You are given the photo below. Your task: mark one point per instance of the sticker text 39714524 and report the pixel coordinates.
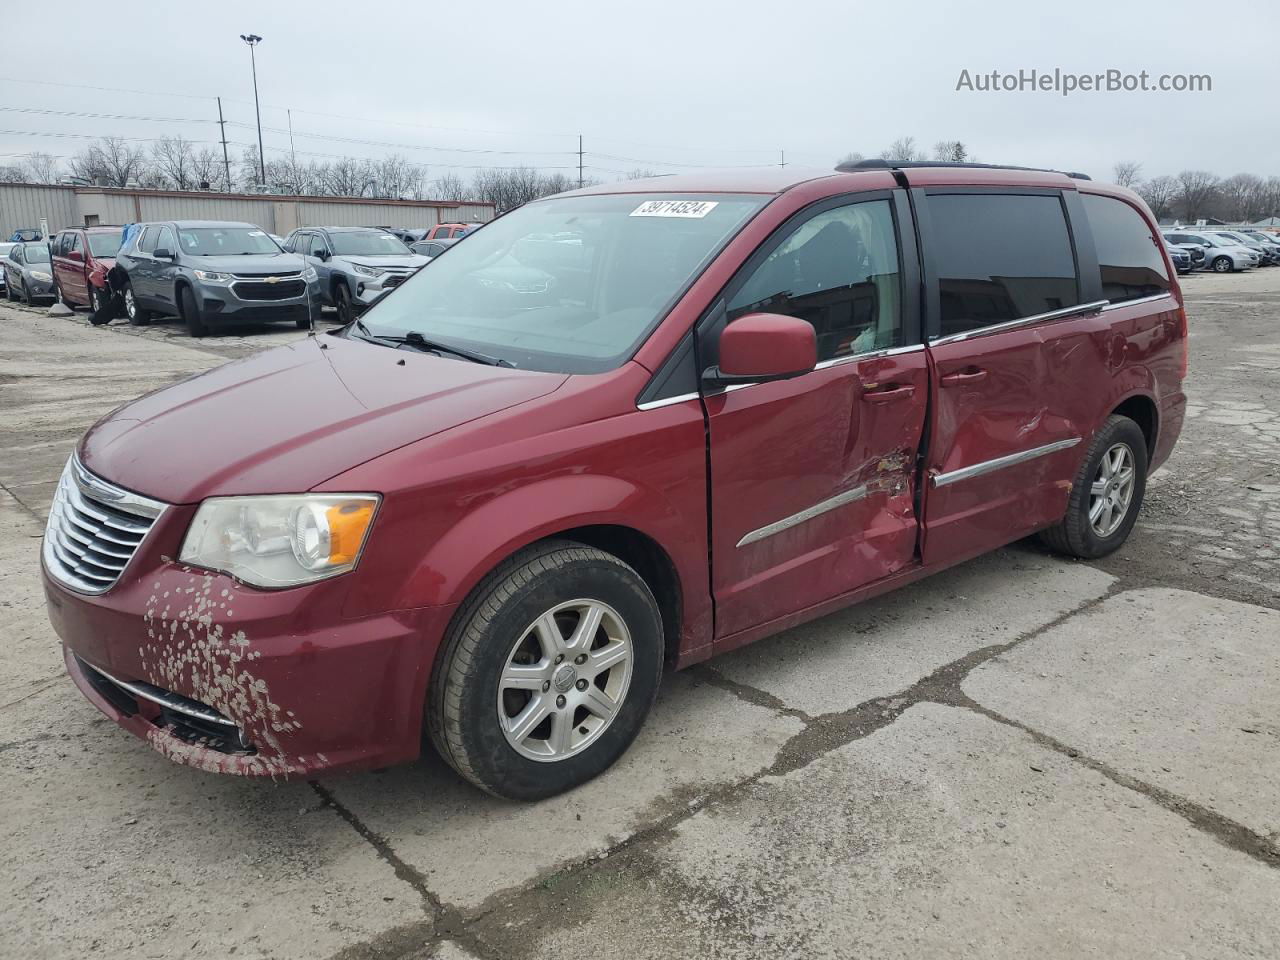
(693, 209)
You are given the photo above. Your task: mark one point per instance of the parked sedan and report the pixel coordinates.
(4, 255)
(28, 275)
(1223, 255)
(1181, 258)
(1264, 256)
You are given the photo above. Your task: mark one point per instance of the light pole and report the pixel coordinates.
(253, 40)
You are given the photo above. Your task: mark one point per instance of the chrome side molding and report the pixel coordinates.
(839, 500)
(999, 463)
(1097, 306)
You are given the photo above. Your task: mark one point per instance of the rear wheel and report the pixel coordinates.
(1106, 495)
(135, 314)
(191, 313)
(1222, 265)
(547, 673)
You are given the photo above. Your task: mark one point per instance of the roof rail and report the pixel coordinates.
(879, 164)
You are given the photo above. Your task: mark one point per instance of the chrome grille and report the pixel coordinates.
(94, 529)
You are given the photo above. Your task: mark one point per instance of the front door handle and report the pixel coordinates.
(962, 377)
(886, 393)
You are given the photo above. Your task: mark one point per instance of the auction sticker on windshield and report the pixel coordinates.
(675, 208)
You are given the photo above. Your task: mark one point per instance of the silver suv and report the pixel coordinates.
(356, 265)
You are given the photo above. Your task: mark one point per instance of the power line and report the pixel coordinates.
(41, 111)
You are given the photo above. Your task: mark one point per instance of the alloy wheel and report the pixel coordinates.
(130, 307)
(1112, 492)
(565, 680)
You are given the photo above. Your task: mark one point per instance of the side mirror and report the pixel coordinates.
(764, 346)
(321, 255)
(162, 253)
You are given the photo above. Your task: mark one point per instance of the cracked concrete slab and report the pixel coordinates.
(470, 846)
(108, 849)
(943, 835)
(883, 646)
(1174, 688)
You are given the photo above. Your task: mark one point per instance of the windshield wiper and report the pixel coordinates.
(415, 339)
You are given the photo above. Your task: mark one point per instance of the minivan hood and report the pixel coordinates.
(254, 263)
(290, 418)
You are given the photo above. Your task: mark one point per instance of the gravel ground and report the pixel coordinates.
(1023, 755)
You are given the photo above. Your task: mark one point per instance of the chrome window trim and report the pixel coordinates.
(999, 463)
(1095, 306)
(786, 523)
(666, 401)
(834, 362)
(173, 701)
(1133, 303)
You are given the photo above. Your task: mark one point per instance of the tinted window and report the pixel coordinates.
(839, 271)
(1000, 257)
(1128, 255)
(148, 241)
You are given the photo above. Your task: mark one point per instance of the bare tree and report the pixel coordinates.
(1127, 173)
(639, 173)
(12, 173)
(347, 177)
(851, 158)
(903, 150)
(396, 177)
(1160, 193)
(450, 186)
(111, 160)
(40, 168)
(207, 167)
(1196, 189)
(951, 151)
(507, 188)
(174, 162)
(1241, 196)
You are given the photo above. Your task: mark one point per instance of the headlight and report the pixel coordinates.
(209, 276)
(40, 275)
(310, 274)
(280, 541)
(364, 271)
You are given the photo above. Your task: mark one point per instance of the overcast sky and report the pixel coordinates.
(661, 85)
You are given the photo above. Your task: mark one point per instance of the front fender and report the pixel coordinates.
(483, 538)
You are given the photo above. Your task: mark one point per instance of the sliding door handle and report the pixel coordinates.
(962, 377)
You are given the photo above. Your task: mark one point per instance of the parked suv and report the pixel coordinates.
(211, 274)
(451, 231)
(356, 265)
(733, 404)
(82, 259)
(1223, 255)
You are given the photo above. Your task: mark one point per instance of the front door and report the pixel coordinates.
(812, 479)
(72, 276)
(1016, 340)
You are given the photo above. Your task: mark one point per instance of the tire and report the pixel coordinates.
(1222, 265)
(191, 312)
(346, 309)
(1080, 534)
(101, 308)
(468, 711)
(136, 316)
(23, 295)
(8, 292)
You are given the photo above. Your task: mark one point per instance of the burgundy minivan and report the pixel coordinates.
(626, 427)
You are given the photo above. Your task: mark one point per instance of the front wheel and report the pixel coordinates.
(100, 306)
(346, 309)
(547, 673)
(1106, 494)
(1222, 265)
(191, 313)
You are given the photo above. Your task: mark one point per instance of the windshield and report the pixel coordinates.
(569, 285)
(104, 244)
(225, 242)
(367, 243)
(36, 253)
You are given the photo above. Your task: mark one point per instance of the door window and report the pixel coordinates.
(1128, 255)
(1000, 257)
(316, 246)
(148, 241)
(838, 270)
(164, 241)
(76, 245)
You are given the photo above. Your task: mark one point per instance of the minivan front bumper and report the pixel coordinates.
(299, 690)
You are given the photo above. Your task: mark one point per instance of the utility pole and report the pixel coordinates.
(782, 158)
(579, 161)
(253, 40)
(293, 157)
(226, 162)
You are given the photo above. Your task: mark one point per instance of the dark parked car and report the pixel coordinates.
(82, 259)
(1180, 258)
(752, 399)
(431, 248)
(28, 275)
(211, 274)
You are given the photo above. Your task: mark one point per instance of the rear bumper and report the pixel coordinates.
(307, 691)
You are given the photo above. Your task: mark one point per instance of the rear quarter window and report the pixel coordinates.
(1000, 257)
(1128, 253)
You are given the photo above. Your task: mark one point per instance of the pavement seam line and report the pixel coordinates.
(1231, 834)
